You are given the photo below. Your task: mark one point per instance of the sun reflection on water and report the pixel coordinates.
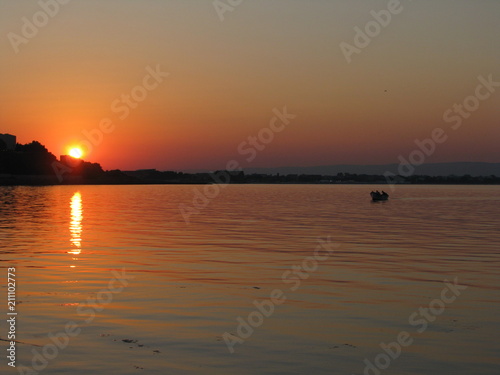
(75, 226)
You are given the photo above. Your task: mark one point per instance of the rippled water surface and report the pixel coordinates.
(190, 285)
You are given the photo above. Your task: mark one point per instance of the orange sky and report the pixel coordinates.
(226, 77)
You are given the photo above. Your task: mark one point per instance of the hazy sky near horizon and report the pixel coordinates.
(226, 77)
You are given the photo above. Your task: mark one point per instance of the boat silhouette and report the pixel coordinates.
(377, 196)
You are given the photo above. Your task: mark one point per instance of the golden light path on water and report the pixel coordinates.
(192, 283)
(75, 226)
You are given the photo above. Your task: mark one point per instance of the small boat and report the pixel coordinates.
(376, 196)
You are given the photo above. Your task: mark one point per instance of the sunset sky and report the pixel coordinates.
(227, 72)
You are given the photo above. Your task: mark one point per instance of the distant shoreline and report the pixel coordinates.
(155, 177)
(33, 165)
(96, 183)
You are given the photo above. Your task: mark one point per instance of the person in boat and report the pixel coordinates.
(376, 195)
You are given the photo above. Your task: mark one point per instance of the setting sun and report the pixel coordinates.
(76, 152)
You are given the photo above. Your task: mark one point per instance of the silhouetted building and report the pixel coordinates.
(7, 142)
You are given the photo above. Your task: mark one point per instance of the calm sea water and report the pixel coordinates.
(191, 282)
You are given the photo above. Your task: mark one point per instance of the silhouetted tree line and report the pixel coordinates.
(152, 176)
(29, 159)
(34, 159)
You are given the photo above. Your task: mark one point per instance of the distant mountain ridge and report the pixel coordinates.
(474, 169)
